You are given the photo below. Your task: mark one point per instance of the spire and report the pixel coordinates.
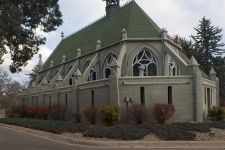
(212, 71)
(124, 34)
(51, 64)
(78, 52)
(194, 61)
(98, 44)
(40, 63)
(62, 35)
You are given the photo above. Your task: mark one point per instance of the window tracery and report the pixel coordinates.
(172, 67)
(92, 75)
(148, 61)
(106, 67)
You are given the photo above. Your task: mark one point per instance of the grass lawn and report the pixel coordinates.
(174, 131)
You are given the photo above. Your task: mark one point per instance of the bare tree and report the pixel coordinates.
(10, 90)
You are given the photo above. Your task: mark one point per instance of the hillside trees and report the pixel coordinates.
(20, 20)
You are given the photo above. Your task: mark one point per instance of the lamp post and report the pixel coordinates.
(127, 100)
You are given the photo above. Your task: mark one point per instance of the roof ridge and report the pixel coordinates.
(85, 27)
(128, 23)
(127, 3)
(130, 16)
(95, 21)
(148, 17)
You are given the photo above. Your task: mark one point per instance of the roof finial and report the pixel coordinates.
(112, 2)
(62, 35)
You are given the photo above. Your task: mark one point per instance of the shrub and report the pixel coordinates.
(90, 114)
(9, 113)
(217, 113)
(77, 116)
(110, 114)
(42, 112)
(19, 111)
(57, 112)
(63, 110)
(162, 112)
(138, 113)
(33, 112)
(222, 103)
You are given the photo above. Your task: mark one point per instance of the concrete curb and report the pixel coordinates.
(120, 144)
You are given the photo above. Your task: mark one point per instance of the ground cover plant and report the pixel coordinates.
(174, 131)
(45, 125)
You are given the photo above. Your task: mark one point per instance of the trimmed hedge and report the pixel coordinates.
(120, 133)
(45, 125)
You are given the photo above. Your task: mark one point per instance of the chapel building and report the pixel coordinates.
(121, 59)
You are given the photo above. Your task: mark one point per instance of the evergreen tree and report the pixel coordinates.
(207, 43)
(19, 20)
(32, 76)
(219, 66)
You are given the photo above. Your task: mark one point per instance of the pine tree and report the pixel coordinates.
(219, 66)
(19, 20)
(207, 43)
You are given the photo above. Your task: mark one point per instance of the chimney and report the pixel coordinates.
(112, 7)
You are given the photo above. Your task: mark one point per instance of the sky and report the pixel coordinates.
(177, 16)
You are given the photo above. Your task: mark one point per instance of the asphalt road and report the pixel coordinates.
(15, 140)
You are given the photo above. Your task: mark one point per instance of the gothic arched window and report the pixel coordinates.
(172, 68)
(106, 66)
(147, 61)
(92, 75)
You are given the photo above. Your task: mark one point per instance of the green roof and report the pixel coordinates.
(131, 17)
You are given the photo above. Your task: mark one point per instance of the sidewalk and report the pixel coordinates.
(121, 144)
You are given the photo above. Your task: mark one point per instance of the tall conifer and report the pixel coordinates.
(207, 44)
